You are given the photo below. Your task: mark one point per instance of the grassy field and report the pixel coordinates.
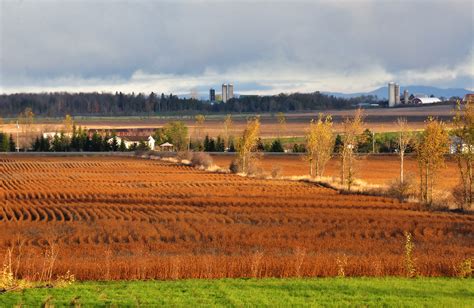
(399, 292)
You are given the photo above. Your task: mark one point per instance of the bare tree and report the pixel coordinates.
(26, 120)
(351, 136)
(431, 147)
(463, 134)
(248, 143)
(319, 144)
(404, 138)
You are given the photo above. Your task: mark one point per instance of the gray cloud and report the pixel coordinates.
(280, 46)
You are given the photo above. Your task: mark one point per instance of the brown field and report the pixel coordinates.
(127, 218)
(377, 120)
(372, 169)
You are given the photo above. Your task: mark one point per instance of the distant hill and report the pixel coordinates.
(382, 92)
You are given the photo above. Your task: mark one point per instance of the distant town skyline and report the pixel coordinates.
(264, 47)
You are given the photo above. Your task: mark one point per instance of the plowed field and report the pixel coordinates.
(126, 218)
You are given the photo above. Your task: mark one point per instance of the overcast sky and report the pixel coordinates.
(262, 47)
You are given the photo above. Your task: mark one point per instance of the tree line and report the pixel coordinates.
(430, 147)
(58, 104)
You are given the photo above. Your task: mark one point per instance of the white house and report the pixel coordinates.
(129, 141)
(50, 135)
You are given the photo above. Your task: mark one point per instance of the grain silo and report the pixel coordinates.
(391, 94)
(397, 94)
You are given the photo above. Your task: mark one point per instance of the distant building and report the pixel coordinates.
(469, 98)
(212, 95)
(391, 94)
(425, 100)
(224, 92)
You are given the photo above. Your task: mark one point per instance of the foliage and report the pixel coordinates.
(200, 159)
(351, 137)
(176, 132)
(405, 138)
(431, 147)
(248, 143)
(4, 146)
(319, 144)
(276, 146)
(463, 135)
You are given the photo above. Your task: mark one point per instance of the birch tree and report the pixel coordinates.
(248, 143)
(431, 147)
(404, 138)
(351, 136)
(319, 144)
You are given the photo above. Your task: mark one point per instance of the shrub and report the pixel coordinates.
(401, 190)
(184, 155)
(276, 172)
(234, 166)
(201, 159)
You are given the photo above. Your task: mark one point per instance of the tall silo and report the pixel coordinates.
(391, 94)
(224, 92)
(406, 97)
(230, 91)
(397, 94)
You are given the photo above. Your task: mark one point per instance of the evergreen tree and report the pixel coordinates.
(12, 144)
(36, 145)
(3, 142)
(96, 142)
(220, 144)
(114, 145)
(206, 143)
(276, 146)
(122, 147)
(44, 144)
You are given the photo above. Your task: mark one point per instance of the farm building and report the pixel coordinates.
(425, 100)
(130, 141)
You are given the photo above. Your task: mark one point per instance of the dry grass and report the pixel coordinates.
(125, 218)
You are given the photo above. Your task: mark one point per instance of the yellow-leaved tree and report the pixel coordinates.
(463, 134)
(248, 143)
(431, 147)
(351, 136)
(319, 144)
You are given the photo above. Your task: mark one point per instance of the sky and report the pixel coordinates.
(262, 47)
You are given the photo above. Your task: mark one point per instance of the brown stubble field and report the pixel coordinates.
(377, 120)
(372, 169)
(128, 218)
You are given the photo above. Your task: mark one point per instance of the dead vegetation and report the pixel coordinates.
(125, 218)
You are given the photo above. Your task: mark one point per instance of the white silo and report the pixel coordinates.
(397, 94)
(230, 91)
(224, 92)
(405, 96)
(391, 94)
